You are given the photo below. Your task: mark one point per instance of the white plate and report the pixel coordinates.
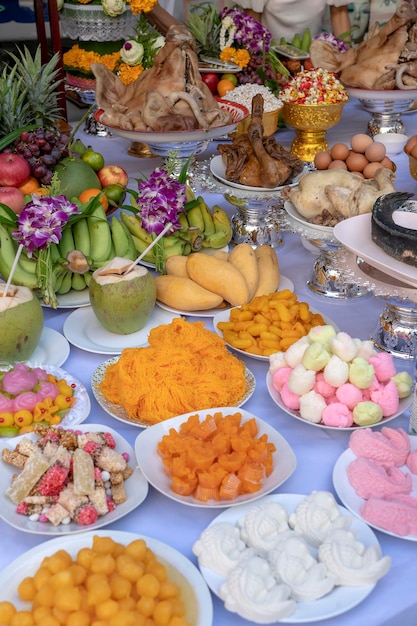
(284, 283)
(151, 464)
(276, 396)
(218, 169)
(199, 605)
(84, 331)
(386, 95)
(118, 412)
(338, 601)
(136, 487)
(79, 412)
(355, 233)
(224, 316)
(52, 348)
(73, 299)
(350, 498)
(292, 212)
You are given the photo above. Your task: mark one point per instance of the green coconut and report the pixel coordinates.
(121, 302)
(74, 176)
(21, 324)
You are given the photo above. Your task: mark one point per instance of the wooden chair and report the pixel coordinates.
(55, 41)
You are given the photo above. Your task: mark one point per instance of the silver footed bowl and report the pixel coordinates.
(385, 106)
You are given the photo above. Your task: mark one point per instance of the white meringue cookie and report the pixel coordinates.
(312, 405)
(301, 380)
(336, 372)
(344, 346)
(220, 547)
(294, 354)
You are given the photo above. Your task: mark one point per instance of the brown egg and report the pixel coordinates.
(375, 151)
(337, 165)
(322, 160)
(339, 152)
(360, 142)
(410, 144)
(358, 174)
(414, 151)
(386, 162)
(356, 162)
(371, 168)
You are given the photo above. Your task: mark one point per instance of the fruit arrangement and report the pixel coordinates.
(364, 156)
(201, 281)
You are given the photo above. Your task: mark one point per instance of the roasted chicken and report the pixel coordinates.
(387, 59)
(258, 161)
(170, 96)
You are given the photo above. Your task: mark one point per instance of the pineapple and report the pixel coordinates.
(28, 92)
(205, 25)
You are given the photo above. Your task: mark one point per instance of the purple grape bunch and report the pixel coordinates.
(43, 149)
(257, 71)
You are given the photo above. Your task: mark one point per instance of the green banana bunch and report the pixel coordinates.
(78, 282)
(223, 230)
(135, 227)
(209, 228)
(100, 235)
(21, 276)
(81, 235)
(195, 217)
(122, 239)
(66, 243)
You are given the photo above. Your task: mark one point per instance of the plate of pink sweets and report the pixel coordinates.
(376, 479)
(332, 380)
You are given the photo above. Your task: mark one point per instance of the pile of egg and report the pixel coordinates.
(363, 157)
(411, 146)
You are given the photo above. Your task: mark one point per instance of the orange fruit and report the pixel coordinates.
(223, 86)
(30, 185)
(41, 191)
(92, 192)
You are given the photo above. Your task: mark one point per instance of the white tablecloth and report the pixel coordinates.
(394, 600)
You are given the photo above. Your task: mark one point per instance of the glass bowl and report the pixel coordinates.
(311, 121)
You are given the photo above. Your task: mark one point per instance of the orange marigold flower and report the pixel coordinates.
(238, 56)
(129, 73)
(78, 59)
(142, 6)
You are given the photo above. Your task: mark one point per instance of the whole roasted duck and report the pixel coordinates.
(170, 96)
(258, 161)
(387, 59)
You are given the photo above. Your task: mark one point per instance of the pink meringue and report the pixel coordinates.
(322, 387)
(291, 400)
(387, 398)
(337, 414)
(411, 462)
(280, 377)
(384, 366)
(349, 394)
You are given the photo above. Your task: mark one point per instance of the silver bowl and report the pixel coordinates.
(386, 107)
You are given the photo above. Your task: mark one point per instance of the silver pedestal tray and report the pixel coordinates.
(396, 329)
(258, 216)
(182, 144)
(386, 108)
(325, 278)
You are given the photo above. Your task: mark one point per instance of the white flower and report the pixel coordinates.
(158, 43)
(132, 52)
(113, 8)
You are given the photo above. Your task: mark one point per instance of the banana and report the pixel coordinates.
(131, 254)
(87, 278)
(135, 227)
(195, 217)
(189, 193)
(100, 235)
(28, 264)
(81, 234)
(141, 246)
(78, 282)
(7, 256)
(170, 240)
(65, 285)
(119, 237)
(223, 233)
(66, 243)
(178, 248)
(55, 253)
(57, 277)
(194, 238)
(209, 228)
(182, 218)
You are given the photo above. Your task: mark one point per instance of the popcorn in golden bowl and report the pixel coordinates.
(313, 102)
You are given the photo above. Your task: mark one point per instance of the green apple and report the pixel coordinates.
(232, 77)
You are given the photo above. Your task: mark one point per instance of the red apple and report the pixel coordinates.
(13, 198)
(110, 174)
(14, 170)
(211, 81)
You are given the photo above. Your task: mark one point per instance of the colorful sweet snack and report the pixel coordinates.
(396, 514)
(353, 385)
(390, 446)
(369, 479)
(411, 462)
(67, 476)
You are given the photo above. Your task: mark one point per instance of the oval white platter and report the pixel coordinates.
(136, 487)
(338, 601)
(52, 348)
(224, 316)
(218, 169)
(199, 606)
(276, 397)
(73, 299)
(146, 445)
(292, 212)
(355, 234)
(84, 331)
(350, 498)
(284, 283)
(119, 413)
(79, 412)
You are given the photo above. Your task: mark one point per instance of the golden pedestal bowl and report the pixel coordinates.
(311, 122)
(269, 121)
